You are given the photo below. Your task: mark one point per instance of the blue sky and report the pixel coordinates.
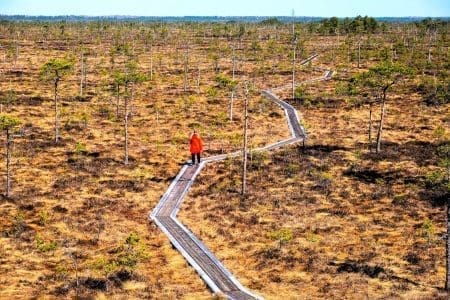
(325, 8)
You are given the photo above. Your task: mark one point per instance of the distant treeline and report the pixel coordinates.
(206, 19)
(368, 25)
(359, 24)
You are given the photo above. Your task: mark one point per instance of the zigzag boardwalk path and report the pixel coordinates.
(218, 278)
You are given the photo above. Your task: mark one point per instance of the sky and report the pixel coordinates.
(319, 8)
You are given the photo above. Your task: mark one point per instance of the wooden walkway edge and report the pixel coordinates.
(211, 270)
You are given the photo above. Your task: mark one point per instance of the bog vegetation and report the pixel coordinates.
(96, 116)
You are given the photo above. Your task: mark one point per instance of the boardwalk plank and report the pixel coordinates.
(201, 258)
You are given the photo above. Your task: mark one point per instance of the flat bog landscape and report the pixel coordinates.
(97, 115)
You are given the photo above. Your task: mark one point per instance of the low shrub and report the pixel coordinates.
(44, 246)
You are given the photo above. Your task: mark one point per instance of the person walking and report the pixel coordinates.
(195, 146)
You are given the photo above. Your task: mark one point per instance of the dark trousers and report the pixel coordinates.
(193, 157)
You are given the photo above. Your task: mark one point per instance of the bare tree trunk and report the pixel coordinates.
(85, 70)
(293, 24)
(231, 105)
(380, 128)
(234, 62)
(338, 43)
(151, 61)
(8, 163)
(393, 56)
(16, 56)
(82, 74)
(233, 91)
(126, 126)
(447, 249)
(216, 64)
(430, 43)
(348, 53)
(293, 72)
(117, 100)
(370, 127)
(359, 53)
(244, 165)
(186, 58)
(198, 78)
(56, 111)
(435, 81)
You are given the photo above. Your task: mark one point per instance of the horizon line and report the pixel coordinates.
(217, 16)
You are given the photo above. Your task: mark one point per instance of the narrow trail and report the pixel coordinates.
(212, 271)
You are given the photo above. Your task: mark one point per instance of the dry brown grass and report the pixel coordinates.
(345, 229)
(86, 205)
(360, 221)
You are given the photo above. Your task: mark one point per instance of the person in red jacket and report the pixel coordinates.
(196, 146)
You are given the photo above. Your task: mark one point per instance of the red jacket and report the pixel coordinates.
(196, 144)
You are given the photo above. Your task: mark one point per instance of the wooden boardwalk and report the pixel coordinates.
(216, 276)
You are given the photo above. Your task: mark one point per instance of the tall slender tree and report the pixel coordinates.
(443, 152)
(293, 23)
(294, 54)
(132, 77)
(7, 124)
(150, 40)
(54, 70)
(118, 81)
(447, 247)
(245, 146)
(233, 86)
(186, 67)
(198, 77)
(83, 71)
(380, 79)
